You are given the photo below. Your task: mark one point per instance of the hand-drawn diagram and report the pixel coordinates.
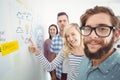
(25, 25)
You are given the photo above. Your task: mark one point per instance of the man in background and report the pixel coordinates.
(57, 41)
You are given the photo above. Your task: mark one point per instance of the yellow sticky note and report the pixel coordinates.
(9, 47)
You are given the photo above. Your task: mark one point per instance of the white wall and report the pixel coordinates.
(47, 9)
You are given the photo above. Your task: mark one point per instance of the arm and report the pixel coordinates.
(46, 53)
(53, 55)
(49, 66)
(53, 73)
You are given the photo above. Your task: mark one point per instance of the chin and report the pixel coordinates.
(93, 51)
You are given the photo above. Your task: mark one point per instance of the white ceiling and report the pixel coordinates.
(82, 1)
(109, 1)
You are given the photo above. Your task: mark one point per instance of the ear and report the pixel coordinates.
(116, 36)
(119, 32)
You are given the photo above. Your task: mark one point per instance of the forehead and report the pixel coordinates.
(71, 30)
(52, 27)
(100, 18)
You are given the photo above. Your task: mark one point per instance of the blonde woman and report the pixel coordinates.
(71, 54)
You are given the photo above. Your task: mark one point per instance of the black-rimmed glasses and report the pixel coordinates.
(103, 31)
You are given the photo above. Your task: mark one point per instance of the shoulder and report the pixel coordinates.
(118, 56)
(47, 40)
(113, 59)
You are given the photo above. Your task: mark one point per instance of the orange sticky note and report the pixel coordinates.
(9, 47)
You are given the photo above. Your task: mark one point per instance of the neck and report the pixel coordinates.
(97, 62)
(78, 51)
(61, 34)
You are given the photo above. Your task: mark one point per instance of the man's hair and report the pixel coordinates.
(100, 9)
(61, 14)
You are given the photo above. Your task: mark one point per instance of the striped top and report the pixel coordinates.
(74, 61)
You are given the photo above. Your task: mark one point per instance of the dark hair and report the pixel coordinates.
(49, 30)
(100, 9)
(62, 13)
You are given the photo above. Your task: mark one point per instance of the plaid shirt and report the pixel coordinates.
(56, 46)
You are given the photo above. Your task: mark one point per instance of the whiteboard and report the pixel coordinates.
(16, 23)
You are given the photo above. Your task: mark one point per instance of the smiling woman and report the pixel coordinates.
(71, 54)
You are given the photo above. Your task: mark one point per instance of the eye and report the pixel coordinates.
(67, 36)
(64, 20)
(103, 29)
(72, 34)
(60, 21)
(87, 28)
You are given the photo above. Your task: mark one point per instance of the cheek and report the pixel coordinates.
(108, 39)
(67, 39)
(85, 39)
(53, 32)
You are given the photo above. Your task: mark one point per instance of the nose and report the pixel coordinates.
(93, 34)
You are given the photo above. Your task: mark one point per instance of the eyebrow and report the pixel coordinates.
(103, 25)
(98, 25)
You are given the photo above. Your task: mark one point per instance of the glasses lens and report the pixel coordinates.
(85, 30)
(103, 31)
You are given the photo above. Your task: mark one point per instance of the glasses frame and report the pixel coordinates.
(94, 28)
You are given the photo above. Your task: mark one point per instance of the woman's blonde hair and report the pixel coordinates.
(67, 46)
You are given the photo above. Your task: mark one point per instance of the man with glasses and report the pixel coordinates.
(99, 26)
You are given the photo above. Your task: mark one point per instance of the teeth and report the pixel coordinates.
(93, 43)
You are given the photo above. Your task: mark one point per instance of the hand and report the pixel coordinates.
(33, 48)
(53, 75)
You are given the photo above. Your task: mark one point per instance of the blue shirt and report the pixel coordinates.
(107, 70)
(56, 46)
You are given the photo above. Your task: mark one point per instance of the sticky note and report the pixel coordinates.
(9, 47)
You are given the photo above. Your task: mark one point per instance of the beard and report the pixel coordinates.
(100, 52)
